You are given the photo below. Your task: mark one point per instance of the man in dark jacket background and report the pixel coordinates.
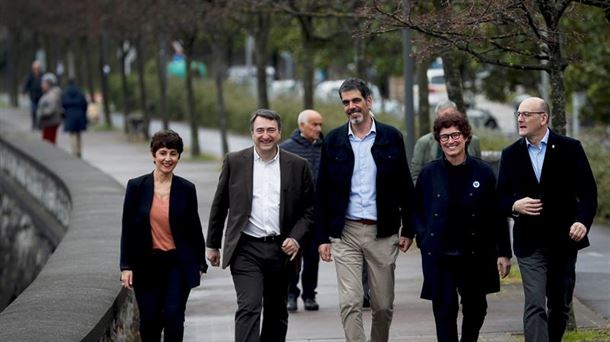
(306, 141)
(33, 86)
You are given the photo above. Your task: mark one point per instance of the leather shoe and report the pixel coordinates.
(292, 304)
(311, 304)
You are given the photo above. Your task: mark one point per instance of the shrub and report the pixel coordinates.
(597, 146)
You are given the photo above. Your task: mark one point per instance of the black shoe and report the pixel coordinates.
(292, 304)
(366, 303)
(311, 304)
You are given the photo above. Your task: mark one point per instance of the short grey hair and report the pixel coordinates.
(49, 78)
(444, 105)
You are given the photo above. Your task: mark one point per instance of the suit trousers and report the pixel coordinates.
(358, 244)
(261, 274)
(161, 292)
(309, 273)
(452, 279)
(548, 284)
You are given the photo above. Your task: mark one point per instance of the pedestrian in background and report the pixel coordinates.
(33, 87)
(546, 184)
(306, 141)
(267, 194)
(75, 115)
(427, 148)
(162, 244)
(462, 235)
(363, 197)
(49, 111)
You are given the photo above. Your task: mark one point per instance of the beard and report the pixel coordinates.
(356, 117)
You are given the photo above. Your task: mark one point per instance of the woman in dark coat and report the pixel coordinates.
(463, 238)
(75, 115)
(162, 244)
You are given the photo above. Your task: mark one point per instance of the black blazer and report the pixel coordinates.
(136, 237)
(487, 236)
(234, 198)
(394, 186)
(567, 190)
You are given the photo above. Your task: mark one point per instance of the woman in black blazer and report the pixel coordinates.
(462, 235)
(162, 244)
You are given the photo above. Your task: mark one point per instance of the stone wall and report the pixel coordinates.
(49, 201)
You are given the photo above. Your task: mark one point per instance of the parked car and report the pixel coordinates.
(481, 118)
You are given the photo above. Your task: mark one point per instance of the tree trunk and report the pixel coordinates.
(190, 99)
(307, 63)
(162, 74)
(220, 108)
(453, 80)
(360, 61)
(88, 74)
(423, 101)
(12, 81)
(104, 78)
(124, 87)
(140, 60)
(261, 38)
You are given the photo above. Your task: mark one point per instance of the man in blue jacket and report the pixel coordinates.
(306, 141)
(363, 197)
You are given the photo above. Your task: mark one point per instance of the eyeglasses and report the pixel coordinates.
(454, 136)
(526, 114)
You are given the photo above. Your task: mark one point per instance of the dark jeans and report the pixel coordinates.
(261, 275)
(161, 292)
(548, 284)
(309, 273)
(33, 110)
(452, 280)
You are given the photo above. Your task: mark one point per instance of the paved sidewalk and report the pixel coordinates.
(211, 307)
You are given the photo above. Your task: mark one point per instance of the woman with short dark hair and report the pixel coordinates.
(162, 244)
(462, 235)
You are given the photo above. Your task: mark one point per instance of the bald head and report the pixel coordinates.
(533, 119)
(36, 67)
(535, 104)
(310, 124)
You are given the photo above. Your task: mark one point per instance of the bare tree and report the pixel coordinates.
(519, 34)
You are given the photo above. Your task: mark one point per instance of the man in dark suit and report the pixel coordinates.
(546, 184)
(268, 195)
(363, 197)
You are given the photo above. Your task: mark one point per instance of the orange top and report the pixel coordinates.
(159, 222)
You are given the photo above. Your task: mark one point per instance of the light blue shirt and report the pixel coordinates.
(363, 194)
(537, 154)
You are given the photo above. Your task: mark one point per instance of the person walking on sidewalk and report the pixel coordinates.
(162, 244)
(546, 184)
(33, 86)
(462, 235)
(306, 141)
(49, 109)
(364, 193)
(75, 115)
(268, 196)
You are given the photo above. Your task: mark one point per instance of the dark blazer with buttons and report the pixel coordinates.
(393, 183)
(487, 237)
(136, 237)
(234, 198)
(567, 190)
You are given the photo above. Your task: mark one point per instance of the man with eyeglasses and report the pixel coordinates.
(427, 148)
(363, 198)
(545, 183)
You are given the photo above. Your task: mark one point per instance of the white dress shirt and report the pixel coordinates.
(264, 218)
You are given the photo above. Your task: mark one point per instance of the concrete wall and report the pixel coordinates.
(77, 295)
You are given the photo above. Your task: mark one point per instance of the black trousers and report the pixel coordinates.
(309, 273)
(453, 281)
(261, 274)
(548, 285)
(161, 292)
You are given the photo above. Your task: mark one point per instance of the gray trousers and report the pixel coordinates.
(548, 284)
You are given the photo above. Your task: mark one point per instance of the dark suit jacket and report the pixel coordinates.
(394, 187)
(234, 196)
(567, 190)
(136, 238)
(486, 236)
